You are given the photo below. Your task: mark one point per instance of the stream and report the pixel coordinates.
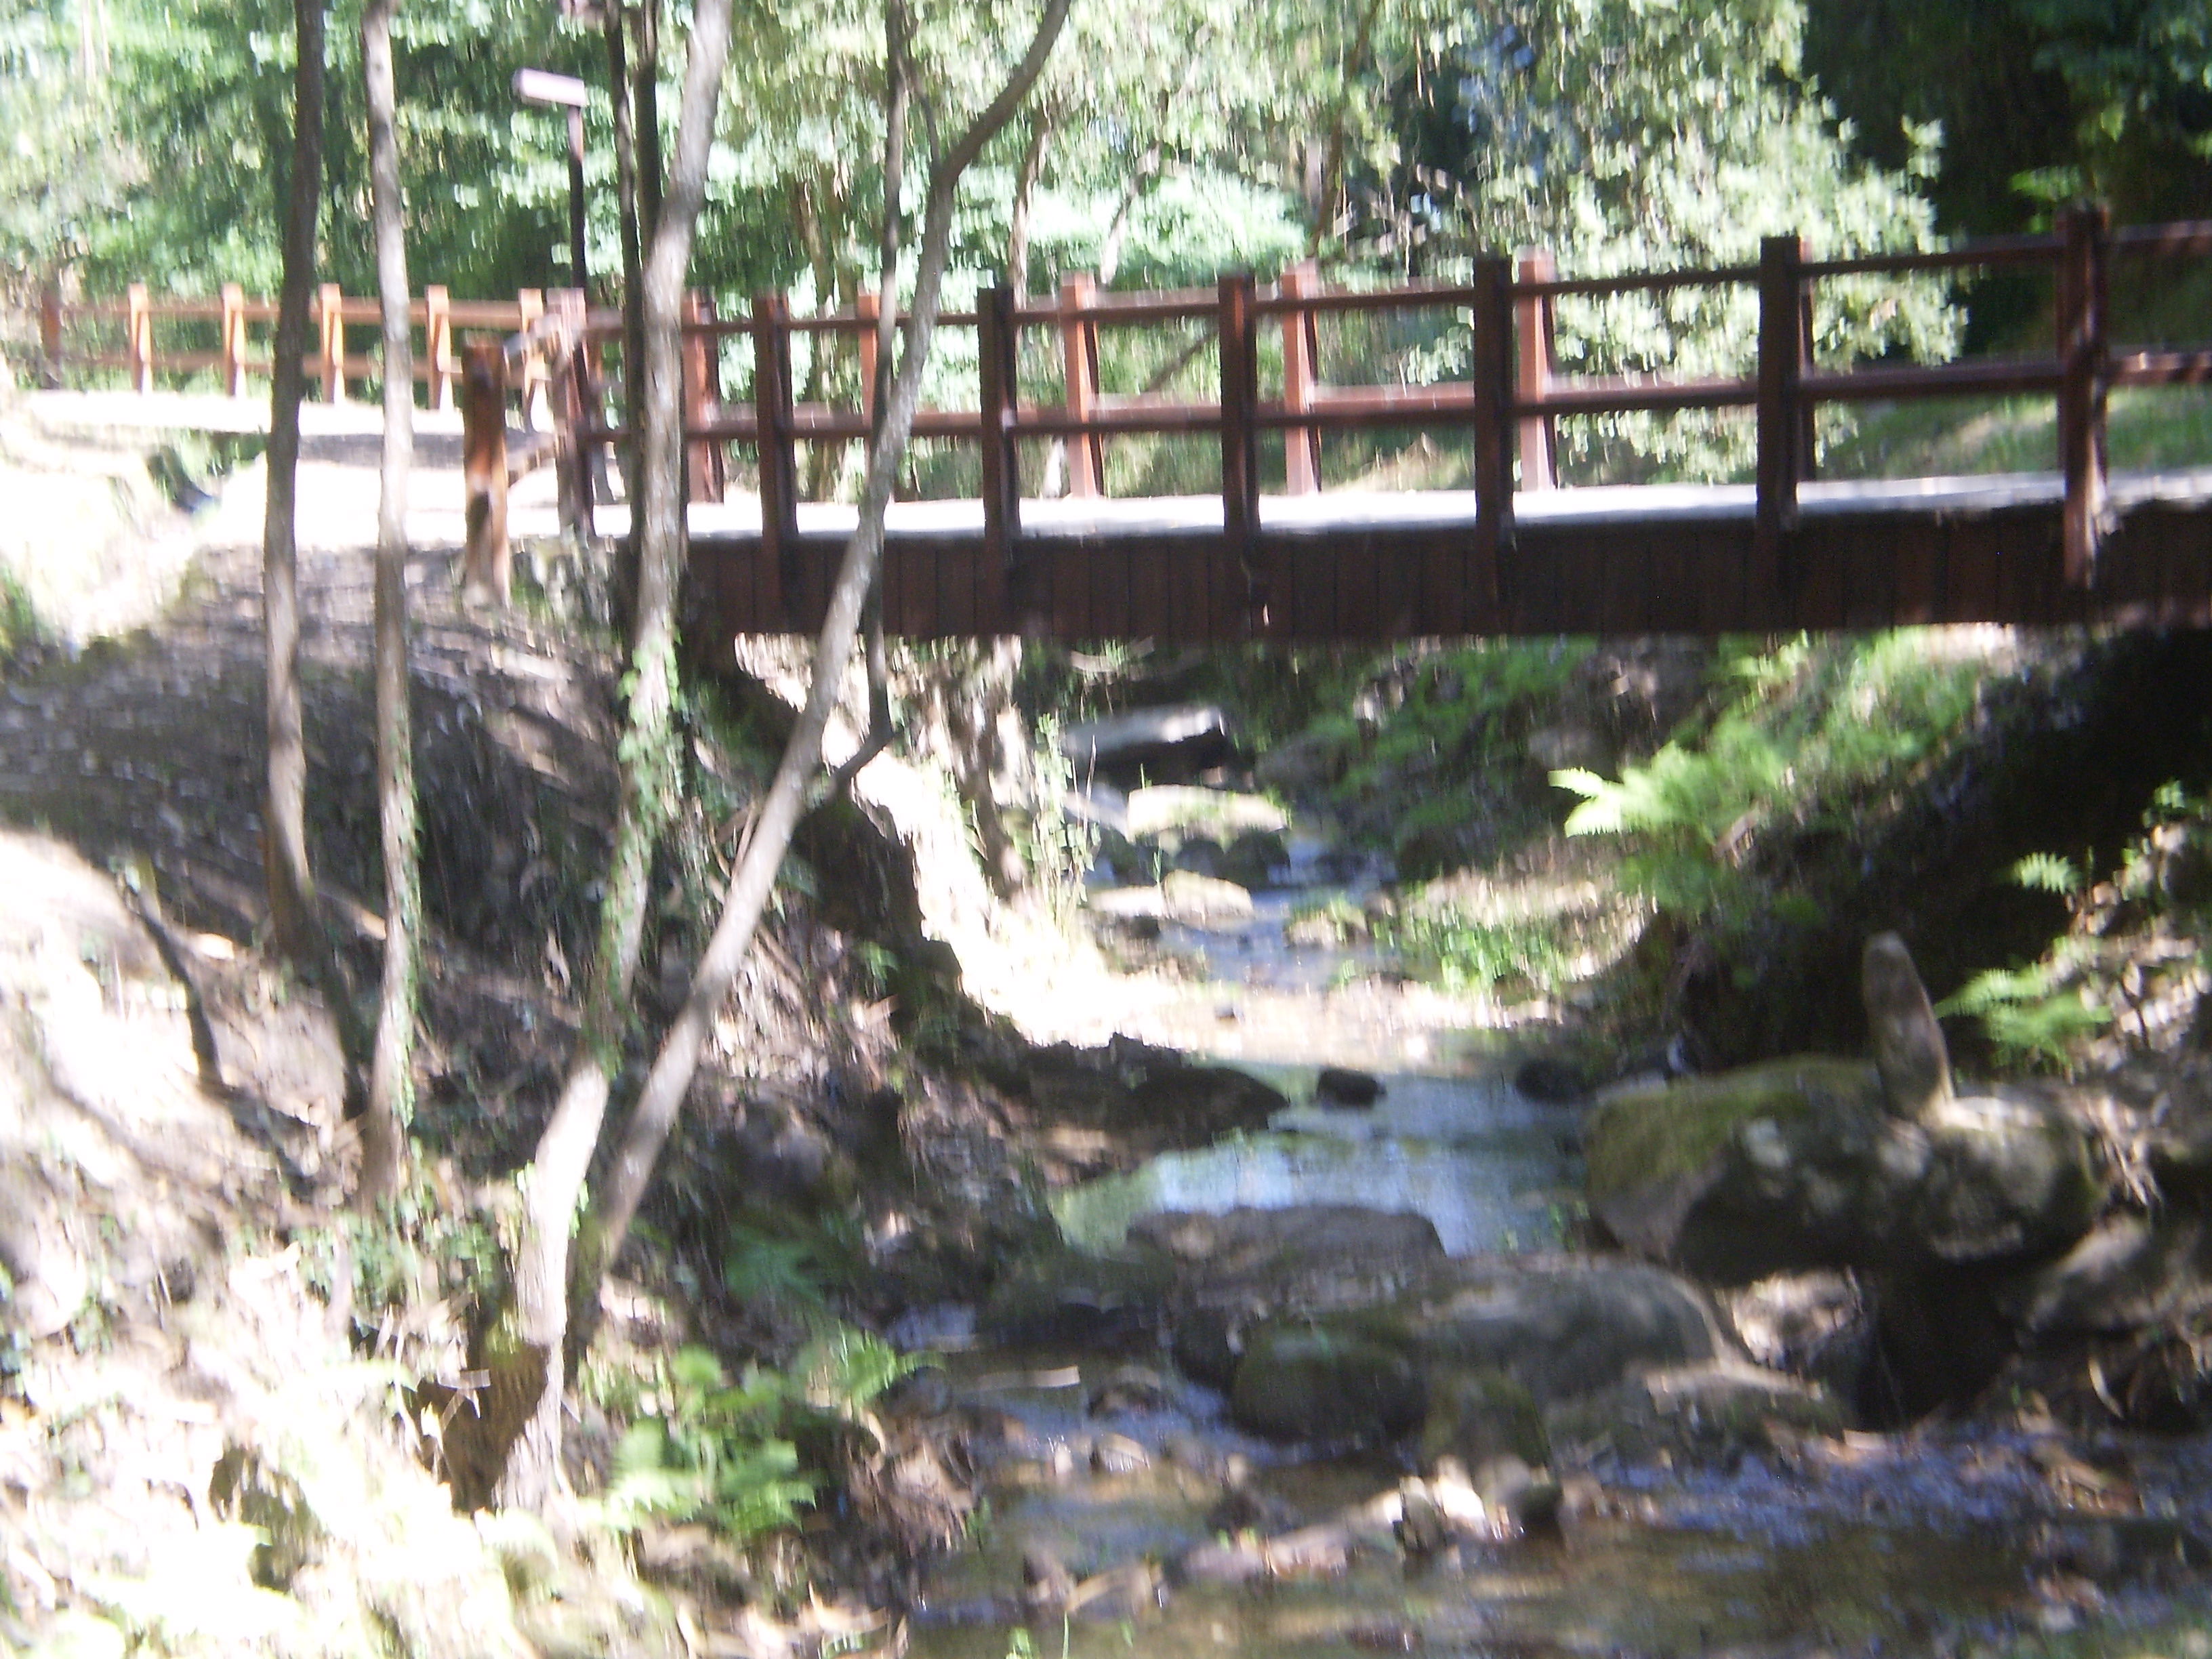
(1947, 1538)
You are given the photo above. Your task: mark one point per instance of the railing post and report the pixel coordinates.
(1079, 351)
(484, 567)
(2082, 373)
(1493, 372)
(868, 307)
(999, 395)
(231, 343)
(138, 337)
(1781, 369)
(1301, 350)
(1535, 357)
(331, 305)
(779, 456)
(1240, 450)
(704, 476)
(50, 331)
(570, 379)
(537, 374)
(438, 347)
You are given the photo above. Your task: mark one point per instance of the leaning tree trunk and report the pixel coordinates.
(533, 1361)
(292, 916)
(779, 812)
(384, 1131)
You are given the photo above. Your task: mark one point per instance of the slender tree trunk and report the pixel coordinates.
(1025, 184)
(391, 1084)
(648, 781)
(652, 175)
(622, 97)
(779, 809)
(292, 916)
(1332, 177)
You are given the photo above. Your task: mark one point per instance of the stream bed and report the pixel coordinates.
(1992, 1537)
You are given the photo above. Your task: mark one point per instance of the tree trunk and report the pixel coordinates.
(1025, 184)
(622, 95)
(648, 781)
(779, 809)
(292, 916)
(391, 1091)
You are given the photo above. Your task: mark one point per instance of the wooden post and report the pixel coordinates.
(868, 305)
(1535, 358)
(232, 344)
(50, 331)
(705, 478)
(1301, 351)
(778, 455)
(138, 337)
(570, 377)
(998, 343)
(1240, 449)
(438, 347)
(1493, 374)
(484, 568)
(1781, 368)
(2082, 371)
(1079, 351)
(529, 307)
(332, 307)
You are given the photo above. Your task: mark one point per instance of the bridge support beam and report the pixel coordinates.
(778, 455)
(998, 369)
(1533, 324)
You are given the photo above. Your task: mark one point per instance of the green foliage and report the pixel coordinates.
(2030, 1014)
(706, 1449)
(702, 1448)
(19, 621)
(2047, 872)
(1462, 953)
(1799, 737)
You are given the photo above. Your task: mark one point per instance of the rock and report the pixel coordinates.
(1799, 1164)
(1129, 1389)
(1908, 1045)
(1252, 857)
(1325, 1386)
(1713, 1413)
(1560, 1329)
(1308, 762)
(1553, 1081)
(1046, 1584)
(1067, 1296)
(1201, 855)
(1182, 895)
(1116, 1453)
(1188, 739)
(1164, 811)
(2132, 1270)
(1475, 1416)
(1339, 1086)
(1271, 1246)
(1817, 1326)
(1246, 1509)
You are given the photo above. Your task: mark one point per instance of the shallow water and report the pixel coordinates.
(1492, 1170)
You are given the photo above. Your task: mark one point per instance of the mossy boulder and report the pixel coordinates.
(1326, 1383)
(1804, 1164)
(1713, 1414)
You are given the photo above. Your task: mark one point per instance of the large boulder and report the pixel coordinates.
(1326, 1383)
(1805, 1163)
(1545, 1331)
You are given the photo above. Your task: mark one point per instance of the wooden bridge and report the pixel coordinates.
(1511, 555)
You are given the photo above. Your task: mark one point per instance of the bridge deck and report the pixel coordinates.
(1621, 560)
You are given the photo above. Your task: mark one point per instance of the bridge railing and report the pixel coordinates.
(1510, 402)
(227, 335)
